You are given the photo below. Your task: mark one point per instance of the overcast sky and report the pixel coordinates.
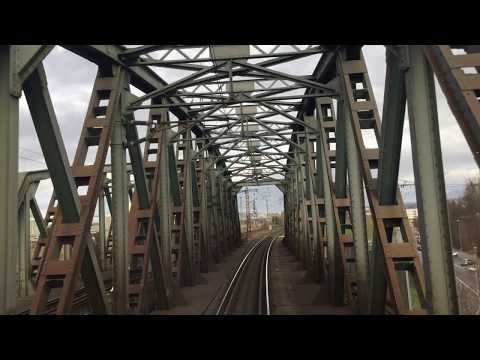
(70, 80)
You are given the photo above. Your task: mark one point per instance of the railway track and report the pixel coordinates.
(80, 301)
(248, 291)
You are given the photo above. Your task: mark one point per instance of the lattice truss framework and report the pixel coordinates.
(234, 116)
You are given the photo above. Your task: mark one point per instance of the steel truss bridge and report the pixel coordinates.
(235, 120)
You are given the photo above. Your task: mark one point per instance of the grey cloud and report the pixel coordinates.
(70, 80)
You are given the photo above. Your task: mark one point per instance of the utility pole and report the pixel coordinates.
(247, 209)
(457, 222)
(266, 202)
(475, 257)
(254, 212)
(266, 217)
(247, 212)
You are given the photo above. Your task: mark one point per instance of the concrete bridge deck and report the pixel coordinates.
(292, 292)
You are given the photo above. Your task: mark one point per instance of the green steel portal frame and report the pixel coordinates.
(233, 121)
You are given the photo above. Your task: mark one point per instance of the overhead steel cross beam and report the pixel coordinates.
(249, 165)
(51, 142)
(240, 171)
(263, 92)
(255, 176)
(175, 85)
(190, 66)
(145, 49)
(131, 53)
(262, 124)
(210, 144)
(230, 148)
(242, 183)
(142, 78)
(257, 98)
(228, 101)
(244, 153)
(282, 75)
(288, 116)
(461, 89)
(323, 73)
(234, 72)
(215, 93)
(227, 116)
(278, 150)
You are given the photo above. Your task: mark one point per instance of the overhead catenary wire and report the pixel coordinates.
(31, 151)
(29, 159)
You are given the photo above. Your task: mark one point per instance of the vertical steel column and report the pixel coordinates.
(8, 180)
(341, 205)
(188, 203)
(236, 217)
(226, 214)
(219, 213)
(163, 199)
(297, 198)
(213, 221)
(51, 142)
(203, 213)
(320, 189)
(357, 206)
(101, 229)
(209, 233)
(288, 211)
(175, 221)
(302, 219)
(184, 267)
(196, 224)
(461, 88)
(430, 185)
(120, 208)
(340, 193)
(317, 246)
(23, 264)
(335, 278)
(399, 256)
(229, 202)
(390, 151)
(23, 236)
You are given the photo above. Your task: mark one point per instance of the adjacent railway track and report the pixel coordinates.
(248, 291)
(80, 300)
(79, 303)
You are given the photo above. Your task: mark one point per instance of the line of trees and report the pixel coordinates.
(464, 216)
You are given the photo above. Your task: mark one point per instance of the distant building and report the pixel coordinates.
(412, 213)
(34, 233)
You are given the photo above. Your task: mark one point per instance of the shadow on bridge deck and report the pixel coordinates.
(203, 298)
(292, 293)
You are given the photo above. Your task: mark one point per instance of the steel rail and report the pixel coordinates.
(241, 268)
(267, 286)
(80, 298)
(235, 277)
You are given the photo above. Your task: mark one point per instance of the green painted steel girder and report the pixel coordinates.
(390, 150)
(430, 185)
(51, 142)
